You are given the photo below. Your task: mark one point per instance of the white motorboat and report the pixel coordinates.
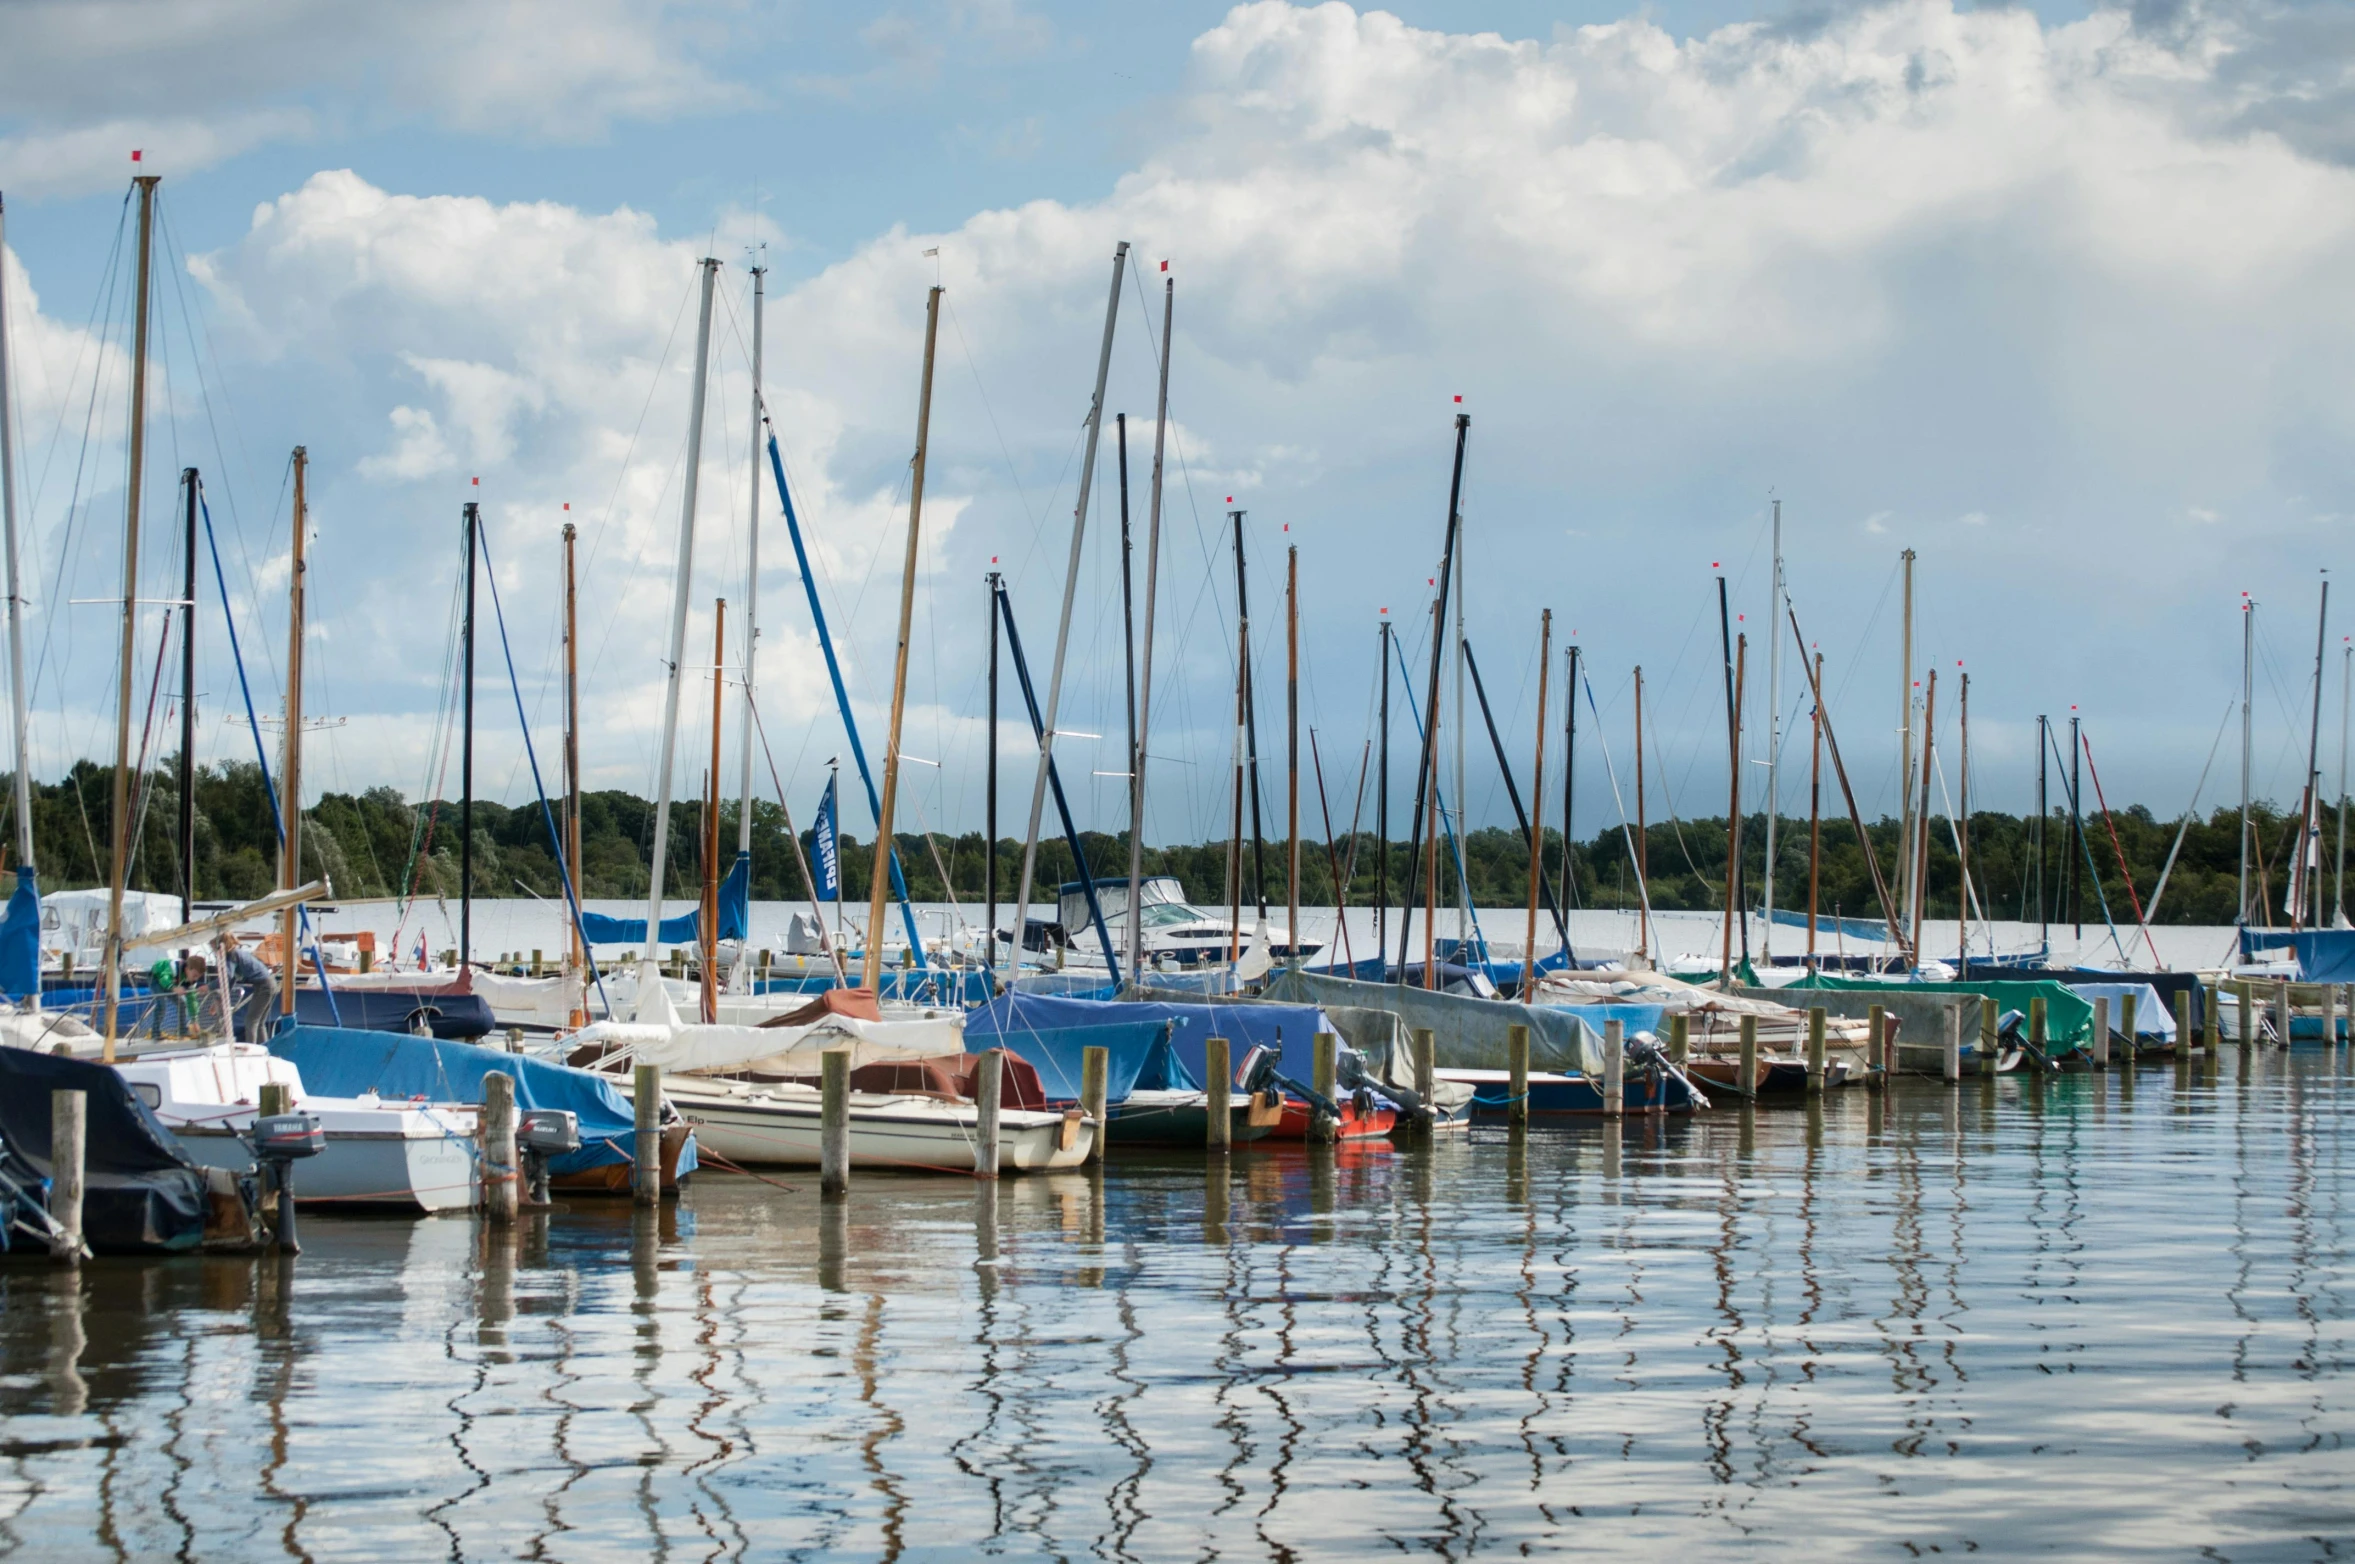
(395, 1154)
(1175, 932)
(772, 1124)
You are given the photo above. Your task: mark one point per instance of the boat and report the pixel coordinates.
(1173, 933)
(377, 1153)
(778, 1123)
(1556, 1095)
(1769, 1077)
(141, 1193)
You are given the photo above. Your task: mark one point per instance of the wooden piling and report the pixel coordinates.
(1990, 1037)
(1952, 1063)
(1680, 1038)
(1877, 1063)
(989, 1076)
(1324, 1078)
(2247, 995)
(1517, 1078)
(68, 1139)
(1815, 1062)
(1218, 1130)
(834, 1122)
(646, 1145)
(274, 1098)
(2037, 1036)
(2101, 1034)
(2183, 1031)
(495, 1127)
(1615, 1067)
(1095, 1072)
(1749, 1066)
(2127, 1029)
(1426, 1063)
(2281, 1012)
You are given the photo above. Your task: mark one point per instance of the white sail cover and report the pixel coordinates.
(689, 1048)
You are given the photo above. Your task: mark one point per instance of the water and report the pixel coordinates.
(2090, 1318)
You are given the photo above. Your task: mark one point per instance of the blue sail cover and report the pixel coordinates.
(20, 938)
(735, 916)
(398, 1067)
(2324, 955)
(1288, 1029)
(1847, 928)
(1139, 1058)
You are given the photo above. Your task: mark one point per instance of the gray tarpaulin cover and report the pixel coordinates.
(1468, 1033)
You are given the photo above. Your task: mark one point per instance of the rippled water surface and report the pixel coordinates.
(2092, 1318)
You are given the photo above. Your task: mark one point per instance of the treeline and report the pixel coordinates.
(377, 844)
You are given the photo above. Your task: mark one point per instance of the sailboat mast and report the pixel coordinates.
(1382, 799)
(1814, 813)
(1143, 739)
(989, 807)
(1569, 785)
(1545, 663)
(2043, 821)
(1251, 729)
(681, 585)
(1963, 831)
(879, 882)
(120, 821)
(290, 858)
(1463, 897)
(1643, 833)
(472, 516)
(2076, 835)
(16, 633)
(1427, 763)
(1921, 879)
(2309, 817)
(2248, 659)
(1733, 785)
(1079, 531)
(1905, 828)
(1774, 735)
(1292, 752)
(1235, 835)
(572, 745)
(708, 926)
(2346, 708)
(751, 584)
(188, 481)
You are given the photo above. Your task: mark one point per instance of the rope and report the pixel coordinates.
(2111, 826)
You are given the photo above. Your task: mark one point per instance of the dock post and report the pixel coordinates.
(497, 1129)
(1990, 1036)
(1951, 1065)
(1680, 1038)
(646, 1145)
(2038, 1037)
(1815, 1021)
(1218, 1125)
(989, 1075)
(834, 1123)
(1877, 1063)
(2183, 1031)
(1749, 1066)
(2101, 1034)
(68, 1121)
(1095, 1071)
(1324, 1078)
(1517, 1079)
(2281, 1011)
(1426, 1067)
(273, 1099)
(2128, 1028)
(1615, 1068)
(2246, 994)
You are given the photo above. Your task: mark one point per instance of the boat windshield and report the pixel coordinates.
(1167, 914)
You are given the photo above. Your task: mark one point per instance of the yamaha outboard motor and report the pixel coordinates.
(540, 1135)
(279, 1141)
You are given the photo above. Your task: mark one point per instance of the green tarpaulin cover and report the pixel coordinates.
(2068, 1017)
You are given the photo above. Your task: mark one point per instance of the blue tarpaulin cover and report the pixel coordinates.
(1871, 932)
(346, 1063)
(1139, 1058)
(2324, 955)
(916, 985)
(1289, 1029)
(20, 938)
(735, 916)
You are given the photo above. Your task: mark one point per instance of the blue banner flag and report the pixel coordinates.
(827, 849)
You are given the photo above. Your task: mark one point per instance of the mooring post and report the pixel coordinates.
(2183, 1032)
(1990, 1053)
(1426, 1067)
(2101, 1033)
(1324, 1075)
(1517, 1078)
(2281, 1012)
(2037, 1036)
(497, 1129)
(1749, 1047)
(2245, 992)
(2128, 1031)
(646, 1147)
(68, 1137)
(989, 1074)
(273, 1099)
(1877, 1063)
(834, 1122)
(1615, 1068)
(1950, 1067)
(1680, 1038)
(1095, 1072)
(1218, 1125)
(1815, 1062)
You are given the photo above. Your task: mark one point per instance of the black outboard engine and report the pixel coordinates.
(280, 1140)
(540, 1135)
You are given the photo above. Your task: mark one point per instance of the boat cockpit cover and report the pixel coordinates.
(1139, 1058)
(140, 1192)
(399, 1068)
(2324, 955)
(2068, 1019)
(735, 916)
(1471, 1033)
(1288, 1029)
(20, 938)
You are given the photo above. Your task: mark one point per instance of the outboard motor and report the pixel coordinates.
(279, 1141)
(540, 1135)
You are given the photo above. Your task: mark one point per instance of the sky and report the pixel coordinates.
(2051, 296)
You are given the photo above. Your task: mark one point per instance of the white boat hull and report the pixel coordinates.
(400, 1171)
(778, 1126)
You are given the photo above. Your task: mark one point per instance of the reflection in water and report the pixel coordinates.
(2075, 1314)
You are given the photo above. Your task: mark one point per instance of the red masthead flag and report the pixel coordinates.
(1165, 265)
(134, 154)
(1459, 399)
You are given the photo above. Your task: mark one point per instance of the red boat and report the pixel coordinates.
(1372, 1125)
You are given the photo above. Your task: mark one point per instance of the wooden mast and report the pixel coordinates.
(1292, 752)
(290, 858)
(708, 929)
(879, 882)
(1545, 658)
(120, 821)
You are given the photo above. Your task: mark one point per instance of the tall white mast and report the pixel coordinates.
(1136, 761)
(1463, 723)
(1907, 824)
(741, 977)
(2248, 688)
(16, 634)
(1774, 730)
(649, 978)
(1079, 529)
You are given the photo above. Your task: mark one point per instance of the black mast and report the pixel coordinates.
(1570, 782)
(188, 480)
(1423, 766)
(1250, 725)
(466, 765)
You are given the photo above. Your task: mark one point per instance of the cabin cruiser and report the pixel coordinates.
(1176, 933)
